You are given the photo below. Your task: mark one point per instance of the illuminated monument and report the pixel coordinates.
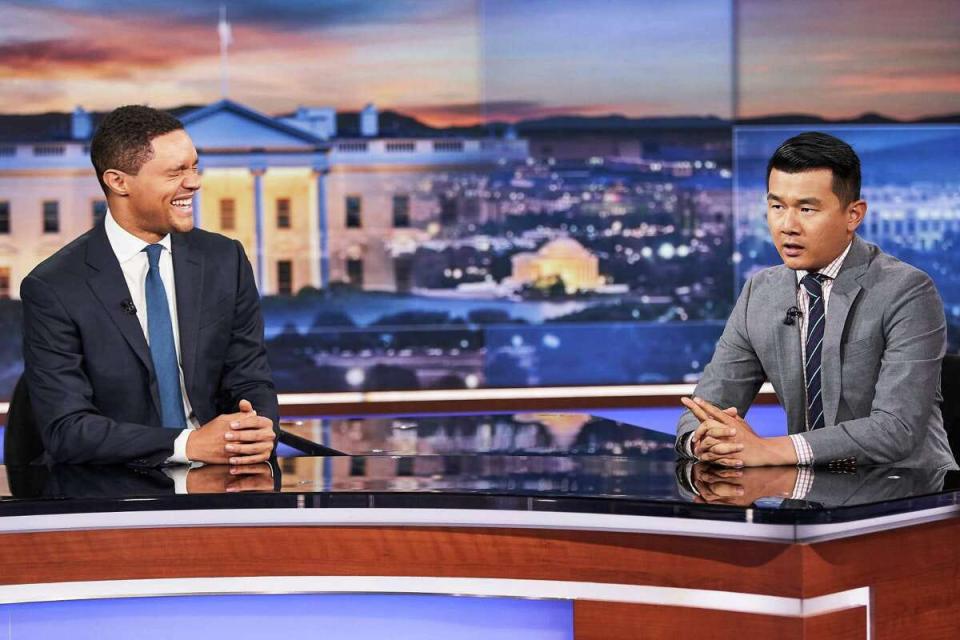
(563, 258)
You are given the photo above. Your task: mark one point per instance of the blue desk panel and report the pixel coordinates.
(236, 617)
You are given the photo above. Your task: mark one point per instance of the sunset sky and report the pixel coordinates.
(463, 61)
(841, 59)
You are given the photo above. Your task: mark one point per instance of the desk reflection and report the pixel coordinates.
(642, 479)
(570, 476)
(119, 481)
(540, 455)
(591, 476)
(806, 488)
(518, 433)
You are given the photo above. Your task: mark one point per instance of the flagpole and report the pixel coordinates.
(223, 30)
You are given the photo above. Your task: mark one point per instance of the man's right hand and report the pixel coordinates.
(235, 438)
(706, 436)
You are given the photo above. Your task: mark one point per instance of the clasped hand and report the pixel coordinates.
(218, 478)
(235, 438)
(741, 487)
(725, 438)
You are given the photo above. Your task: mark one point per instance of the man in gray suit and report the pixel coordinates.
(850, 338)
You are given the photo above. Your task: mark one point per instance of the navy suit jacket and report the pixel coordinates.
(87, 362)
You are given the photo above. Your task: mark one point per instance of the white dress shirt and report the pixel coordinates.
(134, 263)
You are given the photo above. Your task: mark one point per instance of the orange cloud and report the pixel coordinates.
(472, 113)
(898, 83)
(100, 47)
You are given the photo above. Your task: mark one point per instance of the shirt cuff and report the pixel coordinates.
(180, 449)
(803, 450)
(179, 476)
(803, 484)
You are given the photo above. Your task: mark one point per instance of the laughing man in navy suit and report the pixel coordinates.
(143, 338)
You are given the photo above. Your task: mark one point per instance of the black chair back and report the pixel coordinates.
(950, 388)
(21, 438)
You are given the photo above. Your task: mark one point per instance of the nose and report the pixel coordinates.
(192, 181)
(790, 222)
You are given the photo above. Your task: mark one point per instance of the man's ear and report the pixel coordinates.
(855, 214)
(117, 182)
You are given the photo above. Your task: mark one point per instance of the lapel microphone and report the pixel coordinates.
(128, 306)
(792, 314)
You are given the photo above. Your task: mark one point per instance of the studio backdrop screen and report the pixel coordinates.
(484, 193)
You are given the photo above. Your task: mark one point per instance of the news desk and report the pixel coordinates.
(565, 508)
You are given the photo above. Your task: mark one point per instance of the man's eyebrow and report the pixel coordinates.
(811, 200)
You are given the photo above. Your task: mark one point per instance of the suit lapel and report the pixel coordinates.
(844, 291)
(109, 287)
(788, 351)
(188, 275)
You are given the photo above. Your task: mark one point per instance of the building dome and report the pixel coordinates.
(563, 258)
(563, 248)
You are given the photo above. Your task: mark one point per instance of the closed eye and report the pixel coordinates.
(176, 173)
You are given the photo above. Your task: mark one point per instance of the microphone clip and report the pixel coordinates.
(793, 313)
(128, 307)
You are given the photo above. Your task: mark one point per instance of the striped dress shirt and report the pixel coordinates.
(804, 453)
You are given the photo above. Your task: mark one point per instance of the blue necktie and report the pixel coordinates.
(163, 351)
(816, 323)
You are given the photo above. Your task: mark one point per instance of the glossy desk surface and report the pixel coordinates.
(578, 469)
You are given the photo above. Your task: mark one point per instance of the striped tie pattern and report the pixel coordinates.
(816, 323)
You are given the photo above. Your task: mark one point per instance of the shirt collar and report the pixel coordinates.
(832, 269)
(125, 245)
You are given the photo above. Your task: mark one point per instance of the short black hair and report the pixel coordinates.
(122, 140)
(815, 150)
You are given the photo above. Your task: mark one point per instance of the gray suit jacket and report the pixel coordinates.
(882, 350)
